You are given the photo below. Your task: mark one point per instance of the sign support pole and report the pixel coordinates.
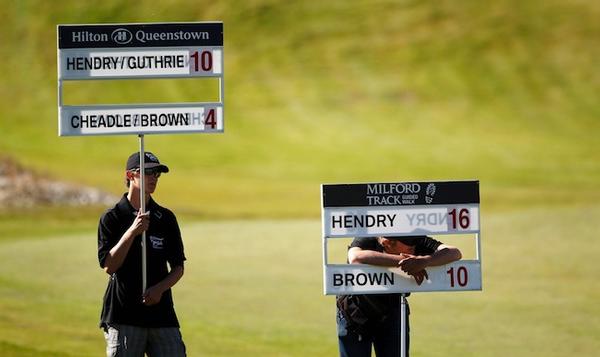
(143, 210)
(403, 320)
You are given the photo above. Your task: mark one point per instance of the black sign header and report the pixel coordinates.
(401, 194)
(141, 35)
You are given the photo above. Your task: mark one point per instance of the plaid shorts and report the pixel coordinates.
(134, 341)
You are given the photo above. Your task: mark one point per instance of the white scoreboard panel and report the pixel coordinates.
(141, 119)
(90, 63)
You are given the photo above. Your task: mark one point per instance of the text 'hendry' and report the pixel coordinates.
(363, 221)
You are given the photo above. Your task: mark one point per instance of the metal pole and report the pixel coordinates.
(403, 336)
(325, 254)
(143, 209)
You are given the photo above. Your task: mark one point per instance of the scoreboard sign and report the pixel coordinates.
(400, 209)
(138, 51)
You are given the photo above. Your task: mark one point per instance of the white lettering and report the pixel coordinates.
(144, 36)
(87, 36)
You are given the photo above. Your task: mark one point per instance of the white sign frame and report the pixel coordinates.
(172, 48)
(141, 119)
(348, 279)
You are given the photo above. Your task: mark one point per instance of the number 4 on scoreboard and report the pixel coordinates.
(209, 119)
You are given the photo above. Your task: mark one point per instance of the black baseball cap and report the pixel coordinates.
(150, 162)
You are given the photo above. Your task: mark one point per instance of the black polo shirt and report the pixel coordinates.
(123, 296)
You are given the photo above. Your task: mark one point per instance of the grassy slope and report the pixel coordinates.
(330, 92)
(260, 293)
(325, 92)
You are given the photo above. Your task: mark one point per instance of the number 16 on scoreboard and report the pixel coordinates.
(459, 218)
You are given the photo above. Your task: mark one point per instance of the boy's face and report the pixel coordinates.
(395, 246)
(150, 180)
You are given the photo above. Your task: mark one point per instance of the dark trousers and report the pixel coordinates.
(385, 338)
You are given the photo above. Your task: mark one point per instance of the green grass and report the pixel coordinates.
(336, 92)
(254, 288)
(323, 92)
(42, 222)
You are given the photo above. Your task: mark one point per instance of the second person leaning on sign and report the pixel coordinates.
(374, 320)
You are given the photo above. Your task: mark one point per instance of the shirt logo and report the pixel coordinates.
(157, 242)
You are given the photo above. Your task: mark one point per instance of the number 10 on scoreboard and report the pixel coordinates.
(205, 61)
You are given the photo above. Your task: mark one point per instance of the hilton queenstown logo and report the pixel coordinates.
(122, 36)
(88, 36)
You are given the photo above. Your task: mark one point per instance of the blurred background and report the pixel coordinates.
(505, 92)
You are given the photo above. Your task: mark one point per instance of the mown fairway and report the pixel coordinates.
(505, 92)
(254, 288)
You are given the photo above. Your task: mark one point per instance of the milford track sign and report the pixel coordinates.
(400, 209)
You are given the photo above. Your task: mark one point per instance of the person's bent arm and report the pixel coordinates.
(357, 255)
(116, 256)
(154, 293)
(443, 255)
(411, 264)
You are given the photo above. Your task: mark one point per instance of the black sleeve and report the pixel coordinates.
(175, 256)
(427, 246)
(106, 236)
(366, 243)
